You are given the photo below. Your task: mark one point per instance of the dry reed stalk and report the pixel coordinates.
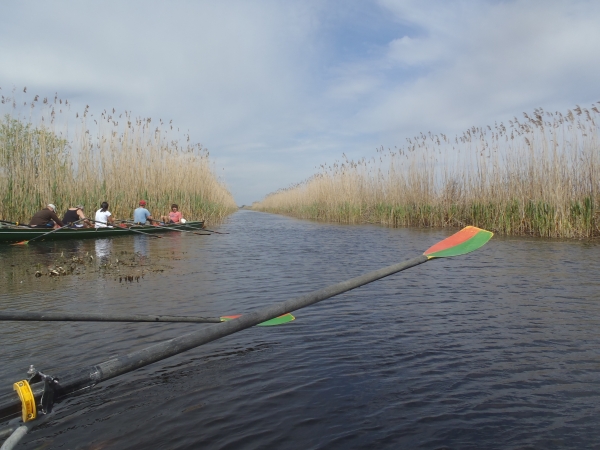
(119, 159)
(539, 176)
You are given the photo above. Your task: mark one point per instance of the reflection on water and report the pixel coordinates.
(103, 248)
(496, 349)
(140, 245)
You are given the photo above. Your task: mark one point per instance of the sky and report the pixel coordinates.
(275, 88)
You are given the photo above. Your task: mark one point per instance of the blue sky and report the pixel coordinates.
(274, 89)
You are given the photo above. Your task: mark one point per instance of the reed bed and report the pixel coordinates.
(536, 176)
(50, 155)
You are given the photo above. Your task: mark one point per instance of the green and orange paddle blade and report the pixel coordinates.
(285, 318)
(465, 241)
(21, 243)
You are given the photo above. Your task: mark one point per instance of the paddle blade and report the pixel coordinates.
(21, 243)
(226, 318)
(285, 318)
(465, 241)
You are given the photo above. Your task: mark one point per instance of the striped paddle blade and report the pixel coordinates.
(285, 318)
(465, 241)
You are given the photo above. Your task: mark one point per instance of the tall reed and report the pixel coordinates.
(537, 176)
(48, 156)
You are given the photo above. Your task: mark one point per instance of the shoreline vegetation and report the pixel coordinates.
(48, 156)
(538, 176)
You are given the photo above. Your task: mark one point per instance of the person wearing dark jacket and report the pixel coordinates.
(46, 218)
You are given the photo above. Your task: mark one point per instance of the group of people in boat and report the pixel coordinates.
(75, 217)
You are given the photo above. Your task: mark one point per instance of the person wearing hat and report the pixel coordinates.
(46, 218)
(141, 215)
(76, 215)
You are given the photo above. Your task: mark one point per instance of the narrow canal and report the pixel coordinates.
(496, 349)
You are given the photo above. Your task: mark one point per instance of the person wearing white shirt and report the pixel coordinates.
(103, 217)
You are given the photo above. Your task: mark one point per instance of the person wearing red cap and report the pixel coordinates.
(141, 215)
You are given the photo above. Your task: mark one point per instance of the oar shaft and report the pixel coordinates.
(53, 231)
(203, 229)
(213, 231)
(97, 317)
(129, 228)
(90, 376)
(171, 228)
(171, 347)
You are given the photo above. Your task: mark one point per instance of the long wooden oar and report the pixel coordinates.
(46, 234)
(15, 224)
(204, 229)
(465, 241)
(129, 228)
(26, 316)
(213, 231)
(171, 228)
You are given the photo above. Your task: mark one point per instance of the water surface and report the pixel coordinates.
(496, 349)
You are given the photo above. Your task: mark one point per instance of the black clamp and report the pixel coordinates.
(50, 387)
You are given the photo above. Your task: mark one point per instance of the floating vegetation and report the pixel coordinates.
(125, 268)
(537, 176)
(130, 278)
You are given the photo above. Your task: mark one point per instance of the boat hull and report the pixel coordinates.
(8, 235)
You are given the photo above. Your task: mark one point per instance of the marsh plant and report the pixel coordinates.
(48, 154)
(539, 175)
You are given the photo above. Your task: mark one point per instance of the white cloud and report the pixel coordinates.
(417, 52)
(275, 88)
(495, 59)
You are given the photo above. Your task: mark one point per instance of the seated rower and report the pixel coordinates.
(103, 217)
(141, 215)
(76, 215)
(46, 218)
(174, 215)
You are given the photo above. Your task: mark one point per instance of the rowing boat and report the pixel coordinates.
(16, 234)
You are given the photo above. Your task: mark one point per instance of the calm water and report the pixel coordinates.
(496, 349)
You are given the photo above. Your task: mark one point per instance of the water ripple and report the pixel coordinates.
(496, 349)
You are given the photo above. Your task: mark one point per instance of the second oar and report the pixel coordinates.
(171, 228)
(46, 234)
(130, 229)
(26, 316)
